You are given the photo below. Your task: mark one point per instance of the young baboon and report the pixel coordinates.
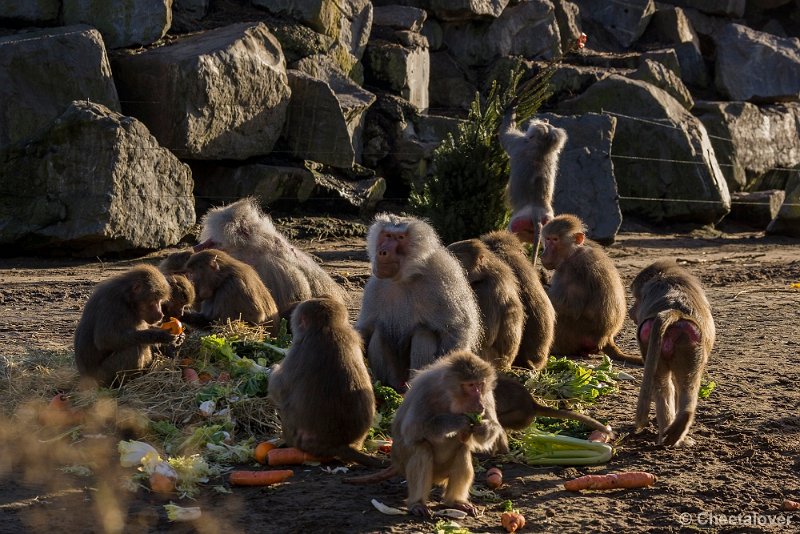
(417, 305)
(114, 334)
(676, 334)
(228, 289)
(174, 263)
(497, 291)
(540, 317)
(516, 408)
(586, 291)
(244, 232)
(322, 388)
(447, 414)
(533, 157)
(181, 296)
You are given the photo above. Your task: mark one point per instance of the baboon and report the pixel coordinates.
(174, 263)
(447, 414)
(228, 289)
(113, 337)
(322, 388)
(540, 317)
(586, 291)
(417, 305)
(181, 296)
(533, 157)
(247, 234)
(676, 334)
(497, 292)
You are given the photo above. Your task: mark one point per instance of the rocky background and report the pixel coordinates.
(124, 120)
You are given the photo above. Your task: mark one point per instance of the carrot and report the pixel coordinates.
(161, 483)
(790, 506)
(261, 451)
(59, 412)
(632, 479)
(173, 325)
(259, 478)
(512, 521)
(290, 456)
(494, 477)
(204, 377)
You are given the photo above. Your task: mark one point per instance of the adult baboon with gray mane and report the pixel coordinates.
(418, 304)
(242, 230)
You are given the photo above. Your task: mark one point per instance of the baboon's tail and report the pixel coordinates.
(661, 323)
(613, 351)
(380, 476)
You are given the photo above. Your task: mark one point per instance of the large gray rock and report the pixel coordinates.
(730, 8)
(626, 20)
(585, 185)
(187, 13)
(788, 220)
(399, 17)
(35, 11)
(756, 209)
(757, 66)
(657, 74)
(568, 18)
(349, 23)
(276, 184)
(326, 115)
(528, 29)
(96, 182)
(122, 23)
(402, 70)
(448, 87)
(221, 94)
(461, 10)
(663, 160)
(751, 140)
(670, 25)
(42, 72)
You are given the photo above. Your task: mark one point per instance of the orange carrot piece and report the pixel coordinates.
(190, 376)
(261, 451)
(790, 505)
(632, 479)
(259, 478)
(494, 477)
(512, 521)
(174, 326)
(290, 456)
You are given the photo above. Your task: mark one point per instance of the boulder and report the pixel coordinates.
(657, 74)
(462, 10)
(326, 115)
(95, 182)
(448, 87)
(186, 14)
(663, 160)
(349, 23)
(729, 8)
(787, 222)
(276, 184)
(756, 66)
(30, 11)
(122, 23)
(527, 29)
(399, 17)
(568, 18)
(756, 209)
(221, 94)
(670, 26)
(751, 140)
(585, 184)
(42, 72)
(626, 20)
(402, 70)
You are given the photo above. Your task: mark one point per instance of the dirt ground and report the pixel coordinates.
(745, 462)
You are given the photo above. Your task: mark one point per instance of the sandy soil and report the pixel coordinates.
(745, 462)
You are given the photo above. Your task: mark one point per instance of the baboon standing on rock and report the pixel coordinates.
(247, 234)
(114, 334)
(676, 334)
(417, 305)
(586, 291)
(533, 157)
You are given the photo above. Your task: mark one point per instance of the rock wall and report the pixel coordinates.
(676, 110)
